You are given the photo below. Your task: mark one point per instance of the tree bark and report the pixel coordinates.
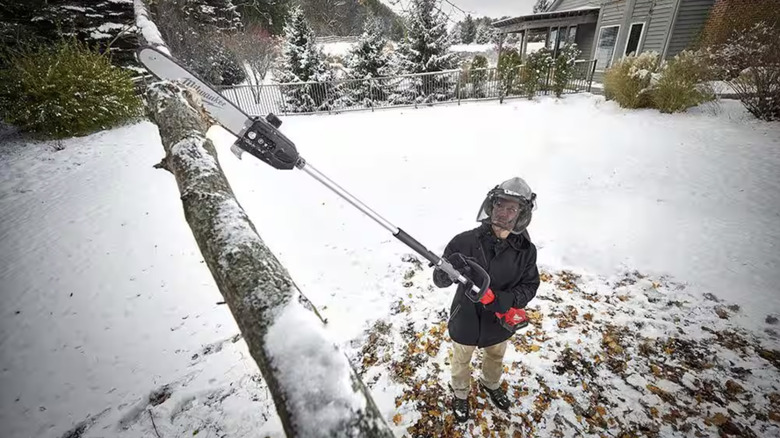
(315, 389)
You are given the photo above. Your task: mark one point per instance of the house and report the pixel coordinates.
(607, 30)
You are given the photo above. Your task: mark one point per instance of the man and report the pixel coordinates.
(503, 248)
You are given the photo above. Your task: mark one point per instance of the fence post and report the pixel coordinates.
(500, 85)
(327, 86)
(460, 84)
(284, 99)
(592, 72)
(371, 88)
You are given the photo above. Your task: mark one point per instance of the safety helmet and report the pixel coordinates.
(509, 205)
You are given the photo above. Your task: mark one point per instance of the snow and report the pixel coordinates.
(106, 27)
(472, 47)
(297, 337)
(148, 29)
(532, 47)
(108, 301)
(338, 48)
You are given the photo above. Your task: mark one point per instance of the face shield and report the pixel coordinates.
(509, 206)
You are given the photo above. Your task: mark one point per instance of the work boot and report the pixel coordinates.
(498, 396)
(460, 409)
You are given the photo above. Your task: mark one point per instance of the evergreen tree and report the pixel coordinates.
(303, 61)
(367, 60)
(425, 50)
(468, 31)
(456, 33)
(485, 33)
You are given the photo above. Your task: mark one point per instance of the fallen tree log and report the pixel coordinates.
(315, 389)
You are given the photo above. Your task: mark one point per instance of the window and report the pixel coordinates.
(553, 39)
(572, 35)
(634, 37)
(606, 46)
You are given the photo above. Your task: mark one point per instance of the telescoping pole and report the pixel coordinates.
(399, 234)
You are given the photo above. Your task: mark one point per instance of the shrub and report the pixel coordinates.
(65, 90)
(508, 70)
(535, 71)
(628, 81)
(478, 75)
(682, 83)
(564, 68)
(754, 57)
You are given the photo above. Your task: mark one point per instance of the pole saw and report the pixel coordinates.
(261, 138)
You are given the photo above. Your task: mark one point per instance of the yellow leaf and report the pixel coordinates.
(584, 386)
(535, 348)
(601, 410)
(719, 419)
(654, 412)
(397, 419)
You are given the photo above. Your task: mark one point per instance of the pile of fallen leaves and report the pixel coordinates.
(629, 357)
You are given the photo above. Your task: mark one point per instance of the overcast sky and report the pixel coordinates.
(490, 8)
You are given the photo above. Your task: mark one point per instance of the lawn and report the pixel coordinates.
(657, 236)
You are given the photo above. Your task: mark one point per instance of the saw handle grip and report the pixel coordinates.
(477, 291)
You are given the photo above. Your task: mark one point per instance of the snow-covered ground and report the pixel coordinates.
(657, 235)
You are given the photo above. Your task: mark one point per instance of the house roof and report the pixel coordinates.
(576, 12)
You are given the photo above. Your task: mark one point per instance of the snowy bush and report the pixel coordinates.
(682, 83)
(752, 62)
(65, 90)
(628, 81)
(478, 76)
(533, 75)
(564, 68)
(509, 65)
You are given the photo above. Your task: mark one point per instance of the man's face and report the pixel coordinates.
(505, 213)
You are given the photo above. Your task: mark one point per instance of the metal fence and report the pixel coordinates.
(406, 90)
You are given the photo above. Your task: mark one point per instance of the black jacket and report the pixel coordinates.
(514, 279)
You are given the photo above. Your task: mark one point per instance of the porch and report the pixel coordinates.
(559, 28)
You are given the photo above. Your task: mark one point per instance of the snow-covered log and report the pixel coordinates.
(315, 389)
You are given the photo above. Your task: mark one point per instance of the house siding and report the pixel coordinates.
(659, 18)
(642, 14)
(690, 20)
(613, 12)
(571, 4)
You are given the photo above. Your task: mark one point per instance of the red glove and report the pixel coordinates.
(488, 298)
(514, 316)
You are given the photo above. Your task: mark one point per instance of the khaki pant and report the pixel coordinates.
(492, 367)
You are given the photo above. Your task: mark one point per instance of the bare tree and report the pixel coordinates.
(256, 49)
